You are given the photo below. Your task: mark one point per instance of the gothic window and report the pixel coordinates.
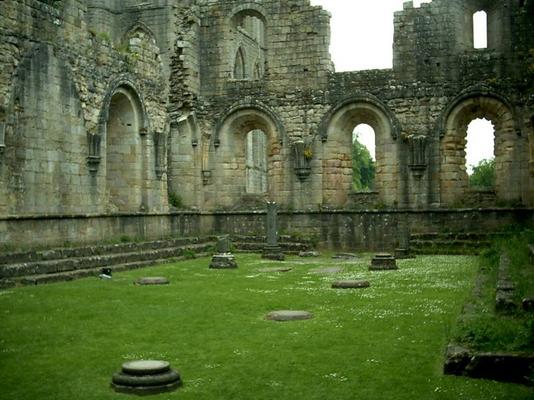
(239, 65)
(248, 30)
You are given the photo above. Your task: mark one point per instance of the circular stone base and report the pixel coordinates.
(223, 261)
(309, 254)
(275, 269)
(383, 262)
(156, 280)
(287, 315)
(145, 377)
(145, 390)
(145, 380)
(328, 270)
(350, 285)
(344, 256)
(145, 367)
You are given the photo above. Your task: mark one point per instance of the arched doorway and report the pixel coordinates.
(123, 151)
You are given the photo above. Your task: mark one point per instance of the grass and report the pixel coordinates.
(480, 327)
(64, 341)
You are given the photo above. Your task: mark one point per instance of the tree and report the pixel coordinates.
(363, 167)
(483, 175)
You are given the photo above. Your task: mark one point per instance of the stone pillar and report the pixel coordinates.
(272, 250)
(403, 234)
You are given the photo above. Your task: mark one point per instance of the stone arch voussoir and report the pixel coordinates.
(252, 113)
(129, 85)
(373, 104)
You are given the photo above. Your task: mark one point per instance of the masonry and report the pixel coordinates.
(167, 117)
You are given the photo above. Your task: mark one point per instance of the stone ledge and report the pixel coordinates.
(504, 367)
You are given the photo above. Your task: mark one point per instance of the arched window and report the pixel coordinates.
(256, 162)
(480, 30)
(480, 154)
(248, 29)
(239, 65)
(363, 158)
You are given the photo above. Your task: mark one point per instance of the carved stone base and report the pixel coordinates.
(273, 253)
(223, 261)
(383, 262)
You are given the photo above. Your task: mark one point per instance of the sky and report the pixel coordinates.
(362, 38)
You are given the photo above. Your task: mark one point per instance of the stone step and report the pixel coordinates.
(263, 239)
(84, 273)
(96, 250)
(455, 236)
(105, 260)
(445, 246)
(257, 247)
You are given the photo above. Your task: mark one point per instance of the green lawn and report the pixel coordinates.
(64, 341)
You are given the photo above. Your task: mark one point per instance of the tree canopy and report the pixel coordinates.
(483, 175)
(363, 167)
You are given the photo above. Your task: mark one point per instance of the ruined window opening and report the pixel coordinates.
(363, 158)
(248, 28)
(239, 65)
(480, 30)
(480, 153)
(256, 162)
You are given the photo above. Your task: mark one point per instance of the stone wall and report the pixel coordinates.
(119, 107)
(349, 230)
(58, 81)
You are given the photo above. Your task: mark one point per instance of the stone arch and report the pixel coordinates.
(228, 155)
(452, 128)
(124, 125)
(336, 133)
(139, 27)
(247, 29)
(248, 8)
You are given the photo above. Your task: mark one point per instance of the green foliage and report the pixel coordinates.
(363, 167)
(483, 175)
(175, 200)
(480, 327)
(210, 325)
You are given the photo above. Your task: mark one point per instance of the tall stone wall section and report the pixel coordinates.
(58, 78)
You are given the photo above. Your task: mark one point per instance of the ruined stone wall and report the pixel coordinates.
(57, 84)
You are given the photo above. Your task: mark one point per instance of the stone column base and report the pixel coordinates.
(273, 253)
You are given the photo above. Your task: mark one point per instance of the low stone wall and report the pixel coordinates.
(336, 229)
